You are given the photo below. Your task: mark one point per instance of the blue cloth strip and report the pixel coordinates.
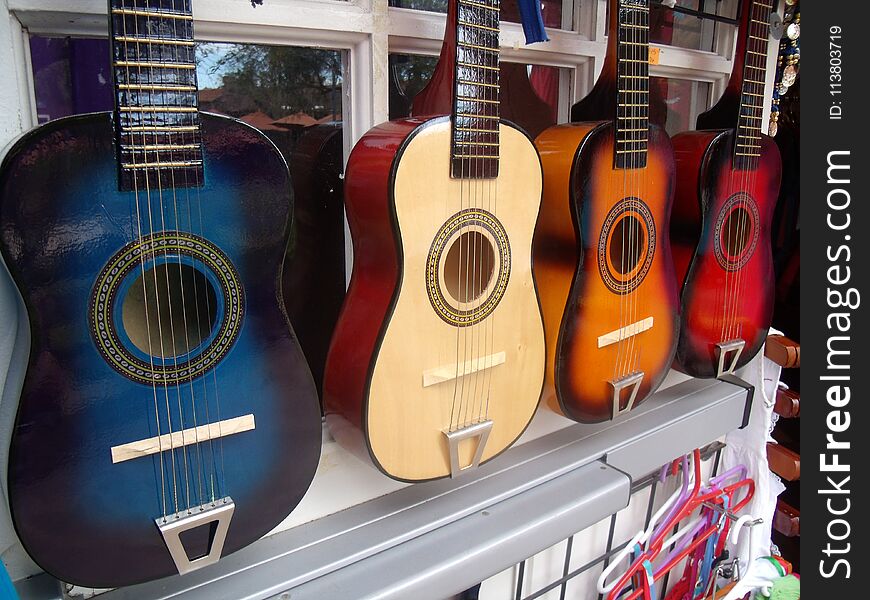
(533, 21)
(7, 590)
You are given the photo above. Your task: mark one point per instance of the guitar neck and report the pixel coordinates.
(157, 125)
(475, 112)
(632, 71)
(747, 146)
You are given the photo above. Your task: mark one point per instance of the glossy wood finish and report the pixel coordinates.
(518, 102)
(581, 187)
(399, 193)
(719, 304)
(783, 351)
(314, 275)
(82, 518)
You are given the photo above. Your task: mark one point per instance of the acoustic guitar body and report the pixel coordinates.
(441, 329)
(604, 269)
(85, 508)
(722, 248)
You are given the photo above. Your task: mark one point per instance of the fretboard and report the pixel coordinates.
(747, 145)
(475, 117)
(632, 108)
(157, 127)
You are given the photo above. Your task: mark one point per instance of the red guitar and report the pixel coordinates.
(727, 186)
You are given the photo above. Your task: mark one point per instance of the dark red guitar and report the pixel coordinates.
(727, 186)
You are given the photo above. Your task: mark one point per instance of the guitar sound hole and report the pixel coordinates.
(627, 244)
(469, 266)
(175, 304)
(736, 231)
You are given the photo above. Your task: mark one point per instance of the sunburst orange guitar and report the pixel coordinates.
(437, 361)
(602, 256)
(727, 187)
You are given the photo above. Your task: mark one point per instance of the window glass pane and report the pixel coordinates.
(293, 95)
(529, 93)
(685, 100)
(557, 13)
(671, 27)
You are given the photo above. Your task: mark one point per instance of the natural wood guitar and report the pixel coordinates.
(602, 256)
(727, 188)
(437, 361)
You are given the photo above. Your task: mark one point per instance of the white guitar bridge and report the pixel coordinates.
(723, 350)
(478, 430)
(632, 381)
(171, 527)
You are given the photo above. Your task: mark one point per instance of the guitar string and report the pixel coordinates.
(480, 185)
(135, 179)
(182, 136)
(498, 257)
(622, 76)
(746, 220)
(746, 113)
(458, 381)
(635, 19)
(159, 173)
(746, 179)
(735, 181)
(220, 488)
(147, 176)
(742, 179)
(489, 272)
(641, 232)
(726, 233)
(177, 146)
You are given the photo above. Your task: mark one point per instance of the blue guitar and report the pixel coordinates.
(168, 416)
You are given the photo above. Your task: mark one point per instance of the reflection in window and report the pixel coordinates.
(684, 101)
(529, 93)
(693, 29)
(554, 11)
(293, 95)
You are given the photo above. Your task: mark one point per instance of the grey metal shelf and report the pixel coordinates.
(435, 539)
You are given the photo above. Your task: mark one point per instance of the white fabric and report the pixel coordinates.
(749, 447)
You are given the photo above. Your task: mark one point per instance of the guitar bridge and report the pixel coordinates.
(632, 381)
(723, 350)
(478, 430)
(171, 527)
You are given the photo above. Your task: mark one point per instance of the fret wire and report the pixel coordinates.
(629, 151)
(478, 130)
(162, 165)
(160, 128)
(460, 143)
(479, 5)
(746, 154)
(489, 85)
(476, 26)
(159, 109)
(156, 147)
(470, 116)
(147, 40)
(162, 88)
(151, 13)
(478, 47)
(492, 156)
(474, 66)
(631, 118)
(750, 117)
(136, 63)
(470, 99)
(752, 137)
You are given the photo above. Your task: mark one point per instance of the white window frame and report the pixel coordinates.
(367, 31)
